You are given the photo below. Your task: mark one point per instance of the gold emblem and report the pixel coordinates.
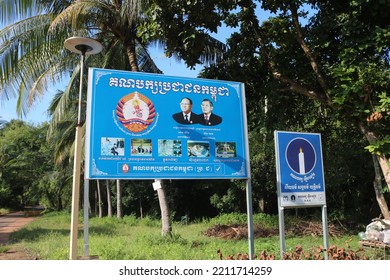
(135, 112)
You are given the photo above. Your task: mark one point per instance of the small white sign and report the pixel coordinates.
(157, 185)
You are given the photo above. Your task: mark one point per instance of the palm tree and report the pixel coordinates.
(115, 24)
(33, 56)
(31, 59)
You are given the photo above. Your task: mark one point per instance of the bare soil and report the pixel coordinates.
(8, 224)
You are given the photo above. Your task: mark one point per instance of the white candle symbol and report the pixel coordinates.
(301, 157)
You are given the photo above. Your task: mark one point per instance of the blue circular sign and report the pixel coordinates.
(300, 156)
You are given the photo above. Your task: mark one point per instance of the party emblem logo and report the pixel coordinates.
(125, 168)
(135, 112)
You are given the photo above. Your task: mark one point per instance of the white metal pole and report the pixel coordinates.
(82, 46)
(86, 217)
(250, 218)
(76, 169)
(325, 230)
(282, 239)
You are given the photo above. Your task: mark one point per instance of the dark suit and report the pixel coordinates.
(179, 118)
(213, 120)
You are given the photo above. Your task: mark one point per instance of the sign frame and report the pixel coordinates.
(227, 144)
(298, 187)
(111, 91)
(299, 176)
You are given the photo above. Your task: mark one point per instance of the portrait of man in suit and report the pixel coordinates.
(208, 117)
(186, 116)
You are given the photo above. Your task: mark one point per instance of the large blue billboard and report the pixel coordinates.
(300, 175)
(152, 126)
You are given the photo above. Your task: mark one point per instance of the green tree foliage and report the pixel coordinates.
(331, 52)
(186, 28)
(25, 164)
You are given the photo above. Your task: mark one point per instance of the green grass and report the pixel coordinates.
(4, 248)
(131, 238)
(4, 211)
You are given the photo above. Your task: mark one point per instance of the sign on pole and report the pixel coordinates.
(300, 175)
(143, 126)
(152, 126)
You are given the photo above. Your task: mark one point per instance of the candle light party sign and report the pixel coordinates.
(299, 165)
(152, 126)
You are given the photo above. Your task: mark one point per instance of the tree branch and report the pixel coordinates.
(310, 56)
(290, 83)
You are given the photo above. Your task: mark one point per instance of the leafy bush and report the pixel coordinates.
(260, 219)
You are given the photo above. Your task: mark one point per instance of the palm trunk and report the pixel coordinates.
(118, 199)
(140, 209)
(109, 205)
(131, 54)
(99, 199)
(166, 225)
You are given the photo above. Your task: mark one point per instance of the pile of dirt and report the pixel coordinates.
(312, 228)
(238, 232)
(315, 228)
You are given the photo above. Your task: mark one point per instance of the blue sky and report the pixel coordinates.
(169, 66)
(37, 113)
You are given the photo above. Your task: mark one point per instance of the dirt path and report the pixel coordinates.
(8, 224)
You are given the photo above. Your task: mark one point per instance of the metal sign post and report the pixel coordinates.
(250, 219)
(86, 217)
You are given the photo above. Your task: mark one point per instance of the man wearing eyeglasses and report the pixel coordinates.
(186, 116)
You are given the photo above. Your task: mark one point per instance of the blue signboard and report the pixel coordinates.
(152, 126)
(300, 175)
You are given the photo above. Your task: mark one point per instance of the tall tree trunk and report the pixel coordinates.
(166, 225)
(59, 202)
(118, 199)
(265, 105)
(140, 209)
(99, 199)
(378, 190)
(369, 135)
(379, 160)
(384, 164)
(109, 205)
